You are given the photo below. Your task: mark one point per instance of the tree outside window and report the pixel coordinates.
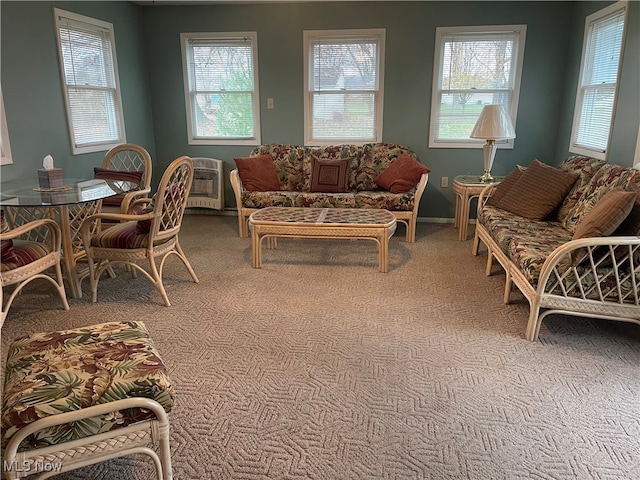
(221, 88)
(474, 68)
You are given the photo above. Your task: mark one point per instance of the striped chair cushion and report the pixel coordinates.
(117, 175)
(55, 372)
(6, 246)
(122, 235)
(24, 252)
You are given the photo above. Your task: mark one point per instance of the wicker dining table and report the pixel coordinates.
(68, 206)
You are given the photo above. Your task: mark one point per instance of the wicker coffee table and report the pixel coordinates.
(352, 223)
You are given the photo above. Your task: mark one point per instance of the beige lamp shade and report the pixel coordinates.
(493, 123)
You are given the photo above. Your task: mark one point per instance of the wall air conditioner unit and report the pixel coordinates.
(207, 190)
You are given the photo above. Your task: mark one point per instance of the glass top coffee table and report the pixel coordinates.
(352, 223)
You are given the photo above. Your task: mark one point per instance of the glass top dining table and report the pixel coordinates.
(24, 200)
(27, 193)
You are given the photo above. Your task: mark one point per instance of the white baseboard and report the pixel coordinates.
(210, 211)
(434, 220)
(232, 212)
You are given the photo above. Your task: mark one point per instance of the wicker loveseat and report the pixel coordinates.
(558, 263)
(294, 168)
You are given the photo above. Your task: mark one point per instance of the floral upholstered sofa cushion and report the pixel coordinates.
(528, 243)
(294, 165)
(56, 372)
(607, 178)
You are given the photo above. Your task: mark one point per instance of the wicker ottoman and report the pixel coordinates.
(77, 397)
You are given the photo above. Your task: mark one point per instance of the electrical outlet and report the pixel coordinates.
(270, 103)
(444, 182)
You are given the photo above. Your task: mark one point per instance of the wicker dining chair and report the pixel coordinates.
(77, 397)
(125, 162)
(25, 260)
(144, 236)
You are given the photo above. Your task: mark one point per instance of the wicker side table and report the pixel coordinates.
(466, 188)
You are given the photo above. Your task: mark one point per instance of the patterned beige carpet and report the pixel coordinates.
(317, 366)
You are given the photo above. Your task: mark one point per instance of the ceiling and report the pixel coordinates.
(218, 2)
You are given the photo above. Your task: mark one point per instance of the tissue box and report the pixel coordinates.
(51, 178)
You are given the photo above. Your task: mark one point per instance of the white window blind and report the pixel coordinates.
(475, 66)
(344, 78)
(5, 147)
(598, 84)
(221, 88)
(90, 82)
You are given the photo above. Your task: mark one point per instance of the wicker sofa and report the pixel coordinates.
(569, 262)
(294, 168)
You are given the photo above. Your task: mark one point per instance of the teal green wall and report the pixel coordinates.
(150, 64)
(32, 88)
(410, 38)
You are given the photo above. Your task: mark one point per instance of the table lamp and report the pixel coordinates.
(493, 124)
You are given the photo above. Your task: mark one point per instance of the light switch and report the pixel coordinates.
(444, 182)
(270, 103)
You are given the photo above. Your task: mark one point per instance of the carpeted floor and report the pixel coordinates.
(317, 366)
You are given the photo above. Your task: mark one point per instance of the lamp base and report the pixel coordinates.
(486, 177)
(489, 153)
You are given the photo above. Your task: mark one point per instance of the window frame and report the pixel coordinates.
(308, 35)
(5, 146)
(636, 157)
(437, 89)
(118, 121)
(192, 139)
(591, 20)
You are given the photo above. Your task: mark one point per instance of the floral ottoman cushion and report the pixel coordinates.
(56, 372)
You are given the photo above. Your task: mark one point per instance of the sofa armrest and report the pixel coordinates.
(243, 213)
(605, 269)
(420, 187)
(237, 186)
(591, 277)
(486, 193)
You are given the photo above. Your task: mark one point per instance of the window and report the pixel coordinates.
(475, 66)
(221, 88)
(5, 148)
(343, 77)
(598, 84)
(90, 82)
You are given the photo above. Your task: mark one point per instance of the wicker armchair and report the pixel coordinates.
(24, 261)
(125, 162)
(146, 236)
